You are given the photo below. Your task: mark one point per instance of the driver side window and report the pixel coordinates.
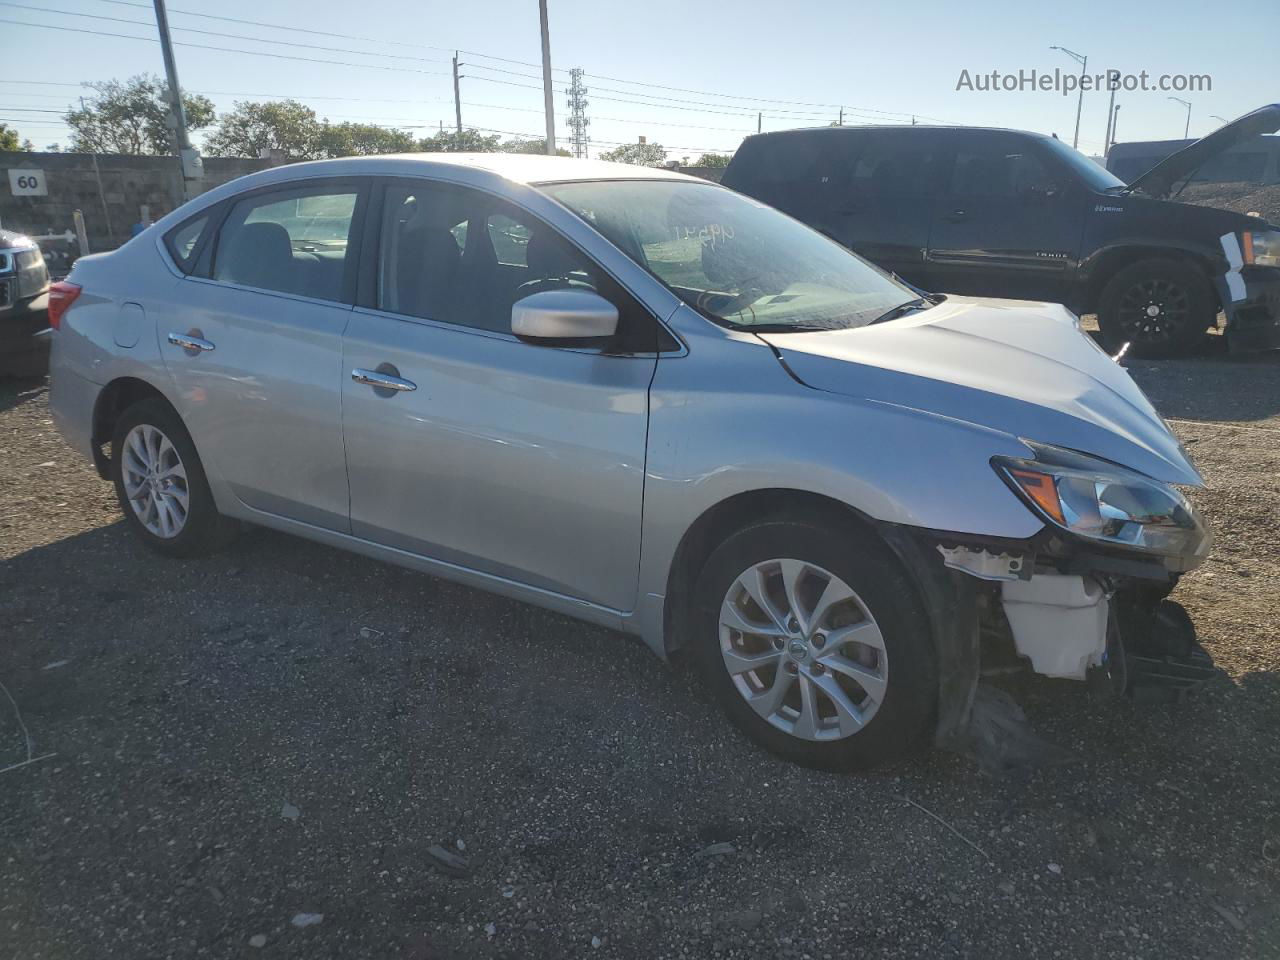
(459, 256)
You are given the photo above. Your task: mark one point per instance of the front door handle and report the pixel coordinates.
(188, 342)
(955, 216)
(382, 381)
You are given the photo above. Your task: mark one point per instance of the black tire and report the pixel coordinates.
(204, 530)
(905, 716)
(1177, 290)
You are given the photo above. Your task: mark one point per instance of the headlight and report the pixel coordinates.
(1101, 501)
(1261, 248)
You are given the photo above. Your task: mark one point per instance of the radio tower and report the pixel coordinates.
(578, 121)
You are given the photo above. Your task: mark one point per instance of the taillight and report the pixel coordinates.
(61, 296)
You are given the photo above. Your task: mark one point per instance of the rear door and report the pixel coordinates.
(1008, 223)
(889, 182)
(522, 461)
(254, 348)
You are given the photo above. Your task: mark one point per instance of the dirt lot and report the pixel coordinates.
(285, 730)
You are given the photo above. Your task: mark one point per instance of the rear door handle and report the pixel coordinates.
(188, 342)
(382, 381)
(955, 216)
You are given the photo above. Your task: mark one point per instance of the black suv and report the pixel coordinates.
(24, 296)
(1005, 213)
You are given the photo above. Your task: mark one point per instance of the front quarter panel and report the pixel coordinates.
(728, 419)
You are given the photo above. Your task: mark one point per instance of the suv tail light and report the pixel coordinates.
(61, 296)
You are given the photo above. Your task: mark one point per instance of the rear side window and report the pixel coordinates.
(184, 239)
(291, 241)
(896, 166)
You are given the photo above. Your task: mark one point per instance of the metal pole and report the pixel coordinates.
(1115, 122)
(840, 122)
(759, 121)
(1186, 131)
(1113, 81)
(457, 99)
(548, 101)
(1075, 141)
(192, 171)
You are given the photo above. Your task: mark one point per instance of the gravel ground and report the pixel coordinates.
(286, 730)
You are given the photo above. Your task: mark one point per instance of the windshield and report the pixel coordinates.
(1094, 175)
(733, 259)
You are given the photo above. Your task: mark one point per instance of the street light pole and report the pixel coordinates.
(1081, 59)
(192, 168)
(1113, 81)
(1115, 120)
(548, 101)
(1186, 133)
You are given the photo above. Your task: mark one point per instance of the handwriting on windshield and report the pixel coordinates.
(709, 234)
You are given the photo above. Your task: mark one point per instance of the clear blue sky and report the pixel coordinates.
(900, 58)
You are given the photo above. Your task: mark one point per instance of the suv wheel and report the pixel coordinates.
(815, 644)
(161, 484)
(1160, 307)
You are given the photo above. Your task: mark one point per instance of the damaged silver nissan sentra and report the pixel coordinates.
(649, 402)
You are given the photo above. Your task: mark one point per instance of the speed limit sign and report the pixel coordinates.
(28, 183)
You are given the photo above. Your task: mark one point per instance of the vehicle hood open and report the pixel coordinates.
(1022, 368)
(1160, 179)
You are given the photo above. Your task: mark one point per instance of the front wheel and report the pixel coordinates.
(1159, 307)
(816, 644)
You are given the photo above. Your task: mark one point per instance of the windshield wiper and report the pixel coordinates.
(781, 327)
(902, 309)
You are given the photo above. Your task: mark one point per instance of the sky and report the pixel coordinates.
(691, 76)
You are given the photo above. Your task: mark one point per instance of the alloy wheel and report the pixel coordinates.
(1153, 310)
(803, 650)
(155, 481)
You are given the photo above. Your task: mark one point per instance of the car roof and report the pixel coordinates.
(895, 127)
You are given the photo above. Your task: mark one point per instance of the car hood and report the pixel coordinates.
(1159, 180)
(1022, 368)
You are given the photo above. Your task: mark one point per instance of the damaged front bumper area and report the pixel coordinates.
(1055, 605)
(1250, 299)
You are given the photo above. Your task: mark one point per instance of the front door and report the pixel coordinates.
(254, 348)
(1007, 225)
(521, 461)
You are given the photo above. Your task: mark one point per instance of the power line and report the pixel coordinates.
(214, 33)
(203, 46)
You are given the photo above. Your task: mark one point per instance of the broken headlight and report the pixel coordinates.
(1102, 501)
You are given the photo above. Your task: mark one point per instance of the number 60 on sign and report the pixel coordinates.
(28, 183)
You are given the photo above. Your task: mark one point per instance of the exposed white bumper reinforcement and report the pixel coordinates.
(1059, 622)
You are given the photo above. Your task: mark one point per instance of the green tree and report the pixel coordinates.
(251, 127)
(716, 160)
(362, 139)
(468, 141)
(531, 146)
(132, 117)
(8, 137)
(643, 154)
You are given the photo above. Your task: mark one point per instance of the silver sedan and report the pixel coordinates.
(642, 400)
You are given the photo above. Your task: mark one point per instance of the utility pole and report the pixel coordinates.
(840, 122)
(1115, 121)
(759, 121)
(1186, 133)
(1081, 59)
(192, 167)
(548, 101)
(578, 120)
(1113, 82)
(457, 99)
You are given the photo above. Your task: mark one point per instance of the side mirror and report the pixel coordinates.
(564, 315)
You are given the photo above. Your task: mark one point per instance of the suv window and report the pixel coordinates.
(293, 241)
(896, 166)
(998, 167)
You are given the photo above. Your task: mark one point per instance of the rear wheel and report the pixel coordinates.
(815, 644)
(1159, 307)
(161, 484)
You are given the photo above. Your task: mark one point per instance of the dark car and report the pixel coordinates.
(1006, 213)
(24, 298)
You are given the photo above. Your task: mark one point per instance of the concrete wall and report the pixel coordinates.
(127, 182)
